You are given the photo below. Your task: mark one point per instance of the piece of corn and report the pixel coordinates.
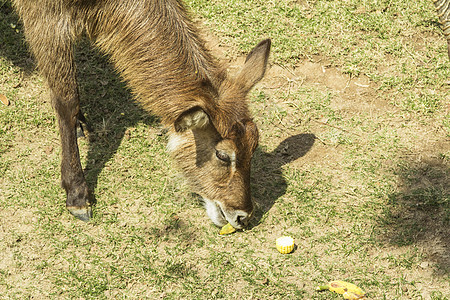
(285, 244)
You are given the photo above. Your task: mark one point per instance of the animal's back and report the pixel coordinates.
(152, 43)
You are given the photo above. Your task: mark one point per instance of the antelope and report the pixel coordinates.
(159, 53)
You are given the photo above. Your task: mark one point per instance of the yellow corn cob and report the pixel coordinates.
(227, 229)
(285, 244)
(347, 289)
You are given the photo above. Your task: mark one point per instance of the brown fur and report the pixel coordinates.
(157, 50)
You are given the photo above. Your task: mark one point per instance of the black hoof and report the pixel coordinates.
(81, 213)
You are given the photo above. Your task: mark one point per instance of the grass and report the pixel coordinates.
(353, 163)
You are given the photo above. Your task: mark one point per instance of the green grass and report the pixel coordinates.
(353, 163)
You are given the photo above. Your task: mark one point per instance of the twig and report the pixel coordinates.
(323, 142)
(283, 67)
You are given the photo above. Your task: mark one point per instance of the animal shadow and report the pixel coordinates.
(109, 109)
(12, 46)
(268, 183)
(419, 211)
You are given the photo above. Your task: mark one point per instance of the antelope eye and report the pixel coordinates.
(222, 156)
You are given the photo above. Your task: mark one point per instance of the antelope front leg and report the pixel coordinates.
(72, 177)
(51, 43)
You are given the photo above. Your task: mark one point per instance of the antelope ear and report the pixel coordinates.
(254, 66)
(192, 118)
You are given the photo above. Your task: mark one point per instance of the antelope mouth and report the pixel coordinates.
(220, 217)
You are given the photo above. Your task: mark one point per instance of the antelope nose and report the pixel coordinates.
(241, 219)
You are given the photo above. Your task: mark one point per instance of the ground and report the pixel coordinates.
(353, 163)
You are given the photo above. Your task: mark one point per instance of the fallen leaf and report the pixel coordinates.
(4, 99)
(48, 149)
